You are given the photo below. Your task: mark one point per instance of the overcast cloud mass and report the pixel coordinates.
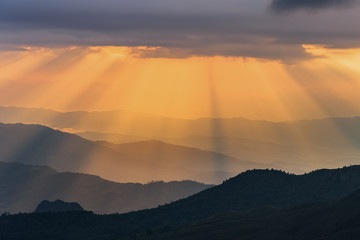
(183, 28)
(284, 5)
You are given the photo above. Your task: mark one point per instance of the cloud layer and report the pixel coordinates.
(180, 28)
(285, 5)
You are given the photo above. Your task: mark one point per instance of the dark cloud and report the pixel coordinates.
(180, 28)
(286, 5)
(12, 49)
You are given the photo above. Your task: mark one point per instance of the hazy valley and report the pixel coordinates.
(298, 146)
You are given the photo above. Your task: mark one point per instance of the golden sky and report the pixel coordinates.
(264, 59)
(105, 78)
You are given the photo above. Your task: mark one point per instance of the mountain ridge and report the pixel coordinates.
(57, 206)
(174, 155)
(39, 145)
(326, 142)
(23, 186)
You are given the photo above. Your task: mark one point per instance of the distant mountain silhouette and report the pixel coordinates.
(117, 138)
(176, 156)
(58, 206)
(22, 187)
(39, 145)
(331, 142)
(318, 131)
(253, 205)
(157, 126)
(116, 120)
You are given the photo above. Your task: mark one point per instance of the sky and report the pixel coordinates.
(264, 59)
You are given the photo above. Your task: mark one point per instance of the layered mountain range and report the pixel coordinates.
(296, 146)
(23, 187)
(134, 162)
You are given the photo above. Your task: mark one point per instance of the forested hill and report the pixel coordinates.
(249, 190)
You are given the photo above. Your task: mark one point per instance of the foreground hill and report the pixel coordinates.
(234, 210)
(22, 187)
(39, 145)
(258, 188)
(327, 220)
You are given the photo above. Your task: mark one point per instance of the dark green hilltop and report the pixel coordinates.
(58, 206)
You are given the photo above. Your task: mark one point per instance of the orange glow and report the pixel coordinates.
(104, 78)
